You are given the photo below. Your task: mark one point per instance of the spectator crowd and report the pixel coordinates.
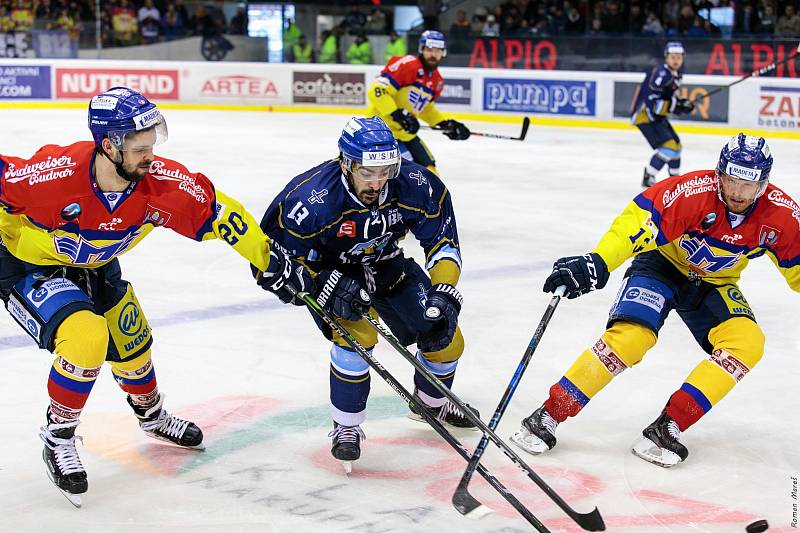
(667, 18)
(122, 22)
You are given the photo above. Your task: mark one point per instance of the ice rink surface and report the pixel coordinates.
(254, 373)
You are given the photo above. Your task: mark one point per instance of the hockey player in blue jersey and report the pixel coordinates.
(342, 220)
(654, 103)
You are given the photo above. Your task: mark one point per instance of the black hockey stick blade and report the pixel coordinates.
(526, 122)
(466, 504)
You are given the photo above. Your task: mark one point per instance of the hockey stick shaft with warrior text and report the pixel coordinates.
(429, 417)
(758, 72)
(591, 521)
(463, 501)
(526, 122)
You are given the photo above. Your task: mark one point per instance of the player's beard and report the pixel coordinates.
(429, 66)
(134, 175)
(369, 197)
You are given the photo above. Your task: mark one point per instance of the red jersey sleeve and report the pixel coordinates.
(402, 71)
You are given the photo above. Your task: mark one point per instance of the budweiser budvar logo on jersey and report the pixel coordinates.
(52, 168)
(694, 186)
(187, 183)
(87, 82)
(775, 196)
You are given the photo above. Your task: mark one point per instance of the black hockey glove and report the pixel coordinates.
(683, 106)
(579, 274)
(442, 307)
(454, 129)
(406, 120)
(342, 296)
(281, 271)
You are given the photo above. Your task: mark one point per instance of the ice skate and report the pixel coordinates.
(156, 422)
(661, 443)
(448, 413)
(538, 432)
(346, 445)
(64, 466)
(648, 180)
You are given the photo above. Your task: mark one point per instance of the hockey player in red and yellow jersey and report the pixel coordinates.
(66, 215)
(691, 236)
(406, 89)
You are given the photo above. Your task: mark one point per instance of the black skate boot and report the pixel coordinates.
(538, 432)
(346, 445)
(64, 466)
(156, 422)
(648, 180)
(448, 413)
(661, 444)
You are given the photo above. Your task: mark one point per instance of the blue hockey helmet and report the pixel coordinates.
(119, 113)
(746, 157)
(368, 142)
(674, 47)
(433, 39)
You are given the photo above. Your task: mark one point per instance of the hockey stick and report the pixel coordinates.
(462, 500)
(591, 521)
(329, 319)
(526, 122)
(759, 72)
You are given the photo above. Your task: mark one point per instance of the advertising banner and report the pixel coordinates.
(554, 97)
(329, 88)
(456, 91)
(86, 82)
(778, 107)
(239, 86)
(25, 81)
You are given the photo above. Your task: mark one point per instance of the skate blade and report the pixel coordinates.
(652, 453)
(200, 447)
(529, 442)
(74, 499)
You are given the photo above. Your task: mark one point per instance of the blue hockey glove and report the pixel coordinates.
(406, 120)
(579, 274)
(442, 307)
(342, 296)
(281, 271)
(454, 129)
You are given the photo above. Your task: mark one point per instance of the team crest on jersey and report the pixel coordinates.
(156, 216)
(701, 256)
(418, 100)
(83, 252)
(347, 229)
(768, 235)
(372, 246)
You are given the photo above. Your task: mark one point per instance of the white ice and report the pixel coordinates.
(254, 373)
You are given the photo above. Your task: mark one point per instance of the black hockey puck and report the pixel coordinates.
(757, 527)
